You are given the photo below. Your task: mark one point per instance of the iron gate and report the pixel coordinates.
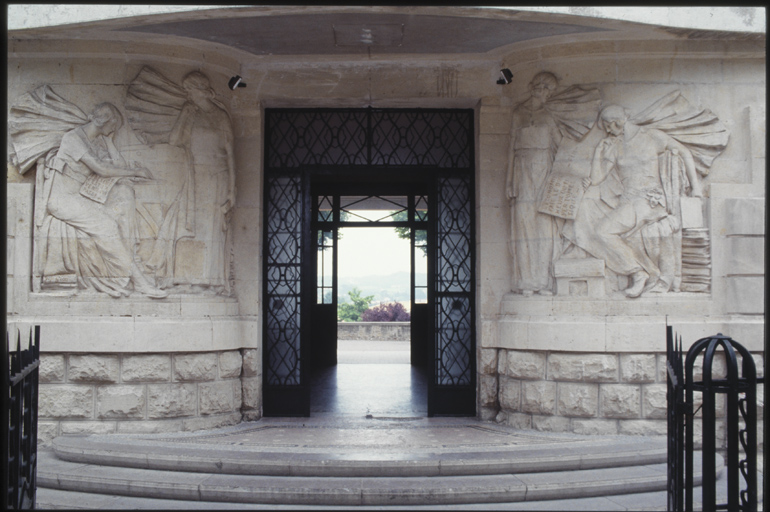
(739, 387)
(19, 422)
(381, 144)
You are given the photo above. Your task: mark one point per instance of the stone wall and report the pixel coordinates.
(144, 393)
(586, 393)
(380, 331)
(573, 362)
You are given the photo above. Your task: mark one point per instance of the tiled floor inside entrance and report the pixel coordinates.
(371, 378)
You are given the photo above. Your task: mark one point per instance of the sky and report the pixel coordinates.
(372, 251)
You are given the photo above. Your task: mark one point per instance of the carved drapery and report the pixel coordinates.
(622, 197)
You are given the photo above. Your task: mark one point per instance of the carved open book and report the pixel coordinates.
(561, 196)
(98, 187)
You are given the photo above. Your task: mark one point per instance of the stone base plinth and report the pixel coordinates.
(579, 277)
(100, 393)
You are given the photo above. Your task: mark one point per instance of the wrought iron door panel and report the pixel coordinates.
(283, 259)
(453, 297)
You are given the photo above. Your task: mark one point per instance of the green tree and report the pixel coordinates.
(352, 311)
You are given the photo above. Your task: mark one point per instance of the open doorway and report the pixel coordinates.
(381, 152)
(374, 375)
(371, 277)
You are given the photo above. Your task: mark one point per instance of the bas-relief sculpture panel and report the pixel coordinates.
(605, 203)
(148, 217)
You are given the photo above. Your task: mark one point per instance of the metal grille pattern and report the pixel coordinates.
(316, 137)
(426, 138)
(283, 239)
(371, 137)
(454, 282)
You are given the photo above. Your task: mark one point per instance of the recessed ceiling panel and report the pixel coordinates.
(330, 34)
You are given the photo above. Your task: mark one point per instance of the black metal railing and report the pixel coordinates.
(19, 421)
(740, 389)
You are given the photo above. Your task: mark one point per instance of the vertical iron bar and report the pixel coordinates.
(16, 421)
(680, 425)
(5, 418)
(733, 415)
(708, 427)
(33, 407)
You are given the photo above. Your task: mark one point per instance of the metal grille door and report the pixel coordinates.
(384, 146)
(453, 389)
(284, 394)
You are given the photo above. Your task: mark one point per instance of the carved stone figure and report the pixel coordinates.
(191, 252)
(539, 125)
(641, 173)
(85, 200)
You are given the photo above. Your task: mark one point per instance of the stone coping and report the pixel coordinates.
(141, 334)
(617, 333)
(182, 305)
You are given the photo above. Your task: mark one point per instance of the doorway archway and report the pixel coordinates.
(423, 153)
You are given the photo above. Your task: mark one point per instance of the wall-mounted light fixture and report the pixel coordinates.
(236, 82)
(505, 76)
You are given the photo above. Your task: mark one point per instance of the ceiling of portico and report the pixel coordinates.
(362, 33)
(356, 32)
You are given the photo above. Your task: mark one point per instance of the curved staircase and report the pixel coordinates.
(377, 462)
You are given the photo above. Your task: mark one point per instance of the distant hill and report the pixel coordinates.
(385, 288)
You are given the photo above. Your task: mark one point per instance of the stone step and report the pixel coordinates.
(51, 499)
(54, 473)
(238, 459)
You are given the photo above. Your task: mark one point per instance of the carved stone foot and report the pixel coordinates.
(639, 280)
(143, 287)
(659, 288)
(545, 293)
(527, 293)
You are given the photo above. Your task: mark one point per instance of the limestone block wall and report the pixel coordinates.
(99, 393)
(587, 393)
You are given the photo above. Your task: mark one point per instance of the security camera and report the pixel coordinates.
(505, 76)
(236, 82)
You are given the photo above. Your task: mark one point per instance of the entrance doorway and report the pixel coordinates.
(371, 249)
(313, 159)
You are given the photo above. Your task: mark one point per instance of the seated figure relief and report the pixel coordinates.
(85, 219)
(616, 197)
(106, 226)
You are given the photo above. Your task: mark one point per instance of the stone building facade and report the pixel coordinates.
(579, 346)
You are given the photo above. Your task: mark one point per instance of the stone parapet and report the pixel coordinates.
(161, 392)
(380, 331)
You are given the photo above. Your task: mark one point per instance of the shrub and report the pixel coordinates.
(393, 312)
(351, 312)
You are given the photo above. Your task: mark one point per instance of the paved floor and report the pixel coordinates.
(371, 378)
